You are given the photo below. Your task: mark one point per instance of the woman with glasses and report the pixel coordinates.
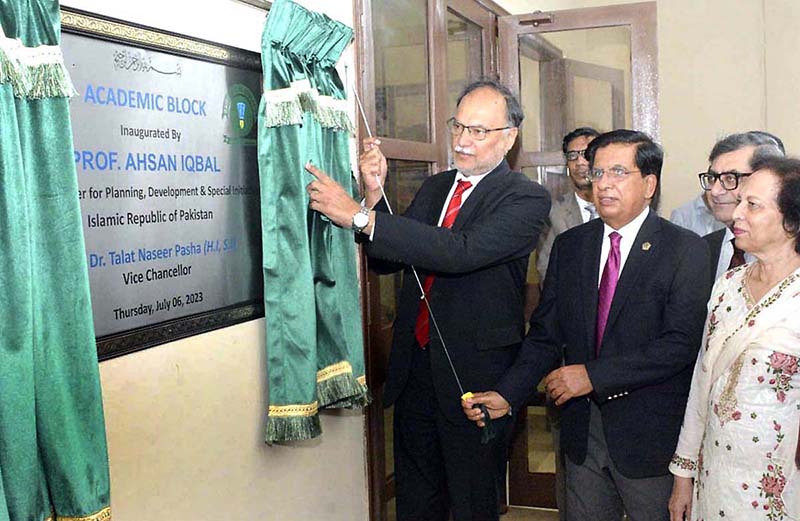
(739, 441)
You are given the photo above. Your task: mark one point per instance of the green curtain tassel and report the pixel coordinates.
(342, 122)
(337, 388)
(49, 80)
(13, 73)
(361, 399)
(282, 113)
(7, 68)
(308, 100)
(292, 428)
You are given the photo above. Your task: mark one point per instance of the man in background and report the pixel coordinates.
(696, 215)
(729, 163)
(576, 207)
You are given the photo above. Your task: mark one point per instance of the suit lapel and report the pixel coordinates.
(486, 185)
(590, 267)
(439, 197)
(573, 215)
(644, 247)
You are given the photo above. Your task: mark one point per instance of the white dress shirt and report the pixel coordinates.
(474, 179)
(628, 233)
(583, 206)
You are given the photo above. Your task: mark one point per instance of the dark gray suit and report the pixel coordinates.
(564, 214)
(714, 241)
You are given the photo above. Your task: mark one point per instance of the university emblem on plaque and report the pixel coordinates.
(239, 109)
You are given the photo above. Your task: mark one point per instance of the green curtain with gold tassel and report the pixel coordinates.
(53, 456)
(313, 316)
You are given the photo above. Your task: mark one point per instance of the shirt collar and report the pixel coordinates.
(474, 179)
(581, 203)
(630, 229)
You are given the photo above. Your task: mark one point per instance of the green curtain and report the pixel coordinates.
(53, 457)
(313, 317)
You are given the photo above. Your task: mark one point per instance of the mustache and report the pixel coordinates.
(463, 150)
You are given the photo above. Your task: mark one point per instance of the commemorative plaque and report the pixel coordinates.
(164, 133)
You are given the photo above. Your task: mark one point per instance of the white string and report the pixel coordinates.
(423, 296)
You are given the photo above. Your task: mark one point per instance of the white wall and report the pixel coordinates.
(185, 420)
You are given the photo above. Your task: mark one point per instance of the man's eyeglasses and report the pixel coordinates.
(477, 133)
(728, 180)
(573, 155)
(615, 173)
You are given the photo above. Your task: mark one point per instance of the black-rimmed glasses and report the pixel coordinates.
(728, 180)
(477, 133)
(573, 155)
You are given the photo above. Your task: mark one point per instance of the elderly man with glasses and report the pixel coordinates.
(729, 163)
(469, 233)
(623, 302)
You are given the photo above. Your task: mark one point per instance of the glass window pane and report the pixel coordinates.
(570, 79)
(554, 178)
(403, 181)
(402, 100)
(600, 55)
(541, 456)
(464, 55)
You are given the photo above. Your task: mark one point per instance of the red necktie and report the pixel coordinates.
(422, 327)
(738, 256)
(608, 284)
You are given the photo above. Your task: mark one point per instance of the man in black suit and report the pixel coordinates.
(729, 163)
(625, 295)
(469, 232)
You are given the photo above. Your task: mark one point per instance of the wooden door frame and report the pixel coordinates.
(435, 153)
(640, 17)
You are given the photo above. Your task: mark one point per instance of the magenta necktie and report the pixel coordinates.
(608, 284)
(422, 327)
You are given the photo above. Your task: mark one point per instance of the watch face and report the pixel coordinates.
(360, 220)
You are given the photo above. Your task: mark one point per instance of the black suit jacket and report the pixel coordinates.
(641, 378)
(714, 241)
(480, 266)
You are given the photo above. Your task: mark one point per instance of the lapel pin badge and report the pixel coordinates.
(646, 246)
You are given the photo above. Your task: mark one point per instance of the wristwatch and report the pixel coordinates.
(361, 219)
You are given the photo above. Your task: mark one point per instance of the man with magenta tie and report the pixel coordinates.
(469, 232)
(625, 295)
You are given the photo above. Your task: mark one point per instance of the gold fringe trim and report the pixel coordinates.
(309, 409)
(102, 515)
(337, 369)
(362, 380)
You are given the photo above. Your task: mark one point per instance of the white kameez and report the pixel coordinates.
(740, 429)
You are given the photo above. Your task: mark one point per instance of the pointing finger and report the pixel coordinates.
(316, 172)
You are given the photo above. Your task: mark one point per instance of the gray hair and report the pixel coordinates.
(764, 142)
(514, 114)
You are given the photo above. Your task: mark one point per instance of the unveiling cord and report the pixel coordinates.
(423, 296)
